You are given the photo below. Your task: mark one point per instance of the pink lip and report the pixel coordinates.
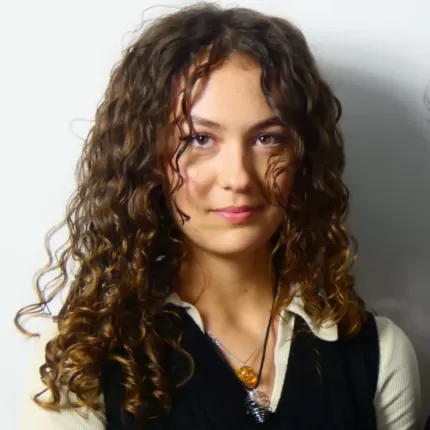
(237, 215)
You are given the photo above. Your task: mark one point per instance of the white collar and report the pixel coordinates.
(328, 330)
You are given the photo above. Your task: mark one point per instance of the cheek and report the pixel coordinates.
(196, 184)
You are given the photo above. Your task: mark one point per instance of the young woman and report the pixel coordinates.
(210, 285)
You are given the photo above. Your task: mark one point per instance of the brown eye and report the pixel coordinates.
(270, 139)
(198, 140)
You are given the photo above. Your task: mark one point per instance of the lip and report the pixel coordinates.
(237, 214)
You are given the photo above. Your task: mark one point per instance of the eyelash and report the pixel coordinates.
(278, 137)
(188, 139)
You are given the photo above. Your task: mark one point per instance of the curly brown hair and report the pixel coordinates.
(120, 223)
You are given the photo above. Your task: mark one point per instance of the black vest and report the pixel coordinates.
(328, 385)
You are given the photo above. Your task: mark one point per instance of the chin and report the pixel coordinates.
(235, 243)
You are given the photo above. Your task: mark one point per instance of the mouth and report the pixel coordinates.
(238, 214)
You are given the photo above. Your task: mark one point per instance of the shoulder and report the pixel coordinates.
(397, 398)
(37, 358)
(67, 419)
(389, 332)
(396, 350)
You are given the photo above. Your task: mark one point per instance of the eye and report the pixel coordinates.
(198, 140)
(270, 139)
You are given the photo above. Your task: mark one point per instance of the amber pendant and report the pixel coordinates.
(247, 376)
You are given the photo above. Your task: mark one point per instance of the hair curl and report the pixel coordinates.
(120, 224)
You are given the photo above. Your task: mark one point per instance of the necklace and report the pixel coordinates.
(257, 403)
(245, 373)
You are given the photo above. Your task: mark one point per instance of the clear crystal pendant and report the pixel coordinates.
(257, 405)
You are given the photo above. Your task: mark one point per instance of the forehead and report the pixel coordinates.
(231, 95)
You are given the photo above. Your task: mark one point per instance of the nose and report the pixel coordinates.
(235, 170)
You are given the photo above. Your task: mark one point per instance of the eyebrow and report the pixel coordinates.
(272, 121)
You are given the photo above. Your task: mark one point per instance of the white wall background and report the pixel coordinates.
(55, 59)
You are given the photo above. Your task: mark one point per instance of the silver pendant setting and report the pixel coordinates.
(257, 405)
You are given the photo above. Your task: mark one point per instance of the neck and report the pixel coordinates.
(221, 285)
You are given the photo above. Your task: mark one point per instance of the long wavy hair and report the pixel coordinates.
(124, 251)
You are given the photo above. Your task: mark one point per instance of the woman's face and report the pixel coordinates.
(236, 137)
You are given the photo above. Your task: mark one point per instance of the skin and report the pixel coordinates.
(225, 165)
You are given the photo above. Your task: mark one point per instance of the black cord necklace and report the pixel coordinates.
(257, 403)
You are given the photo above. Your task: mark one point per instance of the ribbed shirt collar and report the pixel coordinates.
(328, 330)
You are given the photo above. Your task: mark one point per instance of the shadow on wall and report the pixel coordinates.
(388, 173)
